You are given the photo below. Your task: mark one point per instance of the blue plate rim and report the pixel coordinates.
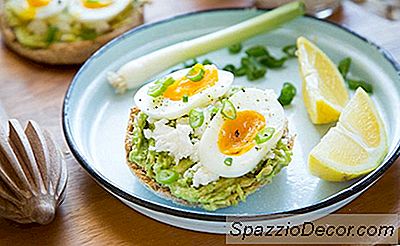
(358, 187)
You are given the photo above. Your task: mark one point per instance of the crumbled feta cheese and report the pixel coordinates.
(176, 141)
(201, 175)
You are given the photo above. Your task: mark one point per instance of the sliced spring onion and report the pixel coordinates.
(188, 64)
(139, 70)
(51, 34)
(196, 73)
(228, 161)
(167, 176)
(256, 73)
(214, 110)
(235, 48)
(196, 118)
(207, 62)
(344, 66)
(230, 68)
(185, 98)
(287, 94)
(290, 50)
(240, 71)
(354, 84)
(160, 86)
(257, 51)
(228, 110)
(264, 135)
(272, 62)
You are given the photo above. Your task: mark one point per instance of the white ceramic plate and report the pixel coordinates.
(95, 118)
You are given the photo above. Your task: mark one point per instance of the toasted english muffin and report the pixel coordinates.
(150, 182)
(63, 53)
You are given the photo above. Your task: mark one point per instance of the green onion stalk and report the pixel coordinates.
(139, 70)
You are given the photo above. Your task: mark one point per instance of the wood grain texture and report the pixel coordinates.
(89, 214)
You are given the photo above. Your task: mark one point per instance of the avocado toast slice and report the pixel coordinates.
(146, 164)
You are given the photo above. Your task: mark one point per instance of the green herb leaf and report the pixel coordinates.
(228, 161)
(185, 98)
(354, 84)
(344, 66)
(290, 50)
(196, 118)
(234, 49)
(287, 94)
(228, 109)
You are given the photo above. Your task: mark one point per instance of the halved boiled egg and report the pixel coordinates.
(232, 147)
(97, 10)
(37, 9)
(184, 92)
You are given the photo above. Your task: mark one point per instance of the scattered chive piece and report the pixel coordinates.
(354, 84)
(257, 51)
(207, 62)
(185, 99)
(344, 66)
(240, 71)
(196, 73)
(160, 86)
(228, 161)
(167, 176)
(234, 49)
(264, 135)
(230, 68)
(51, 34)
(228, 110)
(287, 94)
(196, 118)
(290, 50)
(256, 73)
(272, 62)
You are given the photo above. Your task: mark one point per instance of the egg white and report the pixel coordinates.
(83, 14)
(164, 108)
(265, 103)
(53, 8)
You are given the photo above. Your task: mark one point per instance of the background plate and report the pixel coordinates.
(95, 118)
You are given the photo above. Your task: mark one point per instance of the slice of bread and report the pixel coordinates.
(65, 53)
(151, 183)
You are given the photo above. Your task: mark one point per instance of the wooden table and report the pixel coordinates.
(90, 215)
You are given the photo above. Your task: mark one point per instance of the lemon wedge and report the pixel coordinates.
(324, 90)
(355, 146)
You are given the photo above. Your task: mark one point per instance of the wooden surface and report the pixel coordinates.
(90, 215)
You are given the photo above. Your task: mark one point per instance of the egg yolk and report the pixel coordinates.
(95, 4)
(236, 136)
(186, 87)
(38, 3)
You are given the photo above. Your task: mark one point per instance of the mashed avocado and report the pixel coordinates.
(36, 34)
(218, 194)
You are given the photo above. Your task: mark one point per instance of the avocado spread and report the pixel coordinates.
(221, 193)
